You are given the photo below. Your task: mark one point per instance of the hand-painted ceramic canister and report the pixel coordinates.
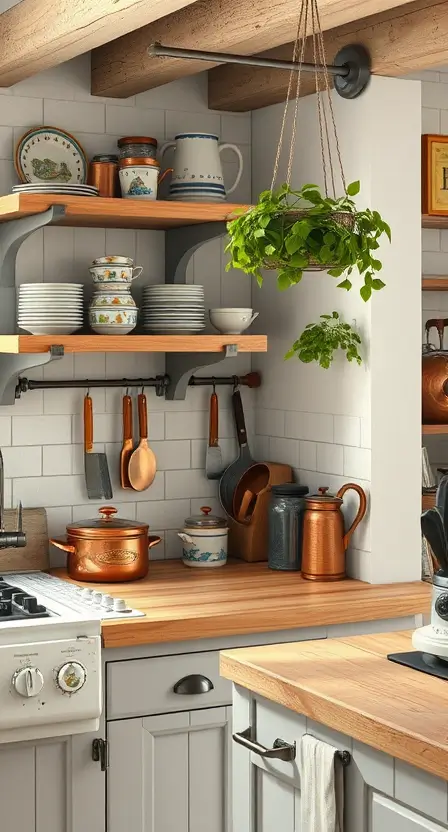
(197, 175)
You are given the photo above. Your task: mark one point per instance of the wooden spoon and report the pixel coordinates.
(142, 464)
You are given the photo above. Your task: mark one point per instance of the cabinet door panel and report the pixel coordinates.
(51, 787)
(17, 783)
(388, 816)
(278, 803)
(169, 773)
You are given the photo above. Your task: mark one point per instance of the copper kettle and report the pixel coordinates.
(435, 376)
(324, 541)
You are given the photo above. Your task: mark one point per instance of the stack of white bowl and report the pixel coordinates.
(173, 309)
(50, 308)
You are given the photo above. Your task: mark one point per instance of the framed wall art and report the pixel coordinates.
(435, 175)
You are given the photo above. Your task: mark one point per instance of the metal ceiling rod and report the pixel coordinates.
(351, 68)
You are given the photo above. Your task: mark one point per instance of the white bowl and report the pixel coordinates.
(232, 321)
(50, 329)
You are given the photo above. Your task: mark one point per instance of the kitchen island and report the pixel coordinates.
(391, 719)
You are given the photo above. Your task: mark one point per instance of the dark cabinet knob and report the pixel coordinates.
(193, 684)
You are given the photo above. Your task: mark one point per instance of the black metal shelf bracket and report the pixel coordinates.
(181, 243)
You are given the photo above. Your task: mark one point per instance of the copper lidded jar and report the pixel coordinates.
(107, 549)
(325, 540)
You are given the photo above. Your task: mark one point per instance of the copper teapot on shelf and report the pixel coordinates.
(324, 540)
(435, 376)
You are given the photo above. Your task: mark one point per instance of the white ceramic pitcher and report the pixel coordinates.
(197, 175)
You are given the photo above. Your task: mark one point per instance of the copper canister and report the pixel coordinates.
(107, 549)
(103, 174)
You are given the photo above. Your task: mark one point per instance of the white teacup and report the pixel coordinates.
(233, 320)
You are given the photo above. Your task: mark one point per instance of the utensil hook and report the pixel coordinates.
(88, 392)
(214, 384)
(236, 383)
(127, 391)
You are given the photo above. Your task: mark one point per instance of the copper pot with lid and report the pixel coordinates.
(324, 539)
(107, 549)
(435, 376)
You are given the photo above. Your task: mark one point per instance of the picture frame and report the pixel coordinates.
(435, 175)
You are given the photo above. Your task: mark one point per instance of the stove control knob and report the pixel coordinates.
(28, 681)
(71, 677)
(441, 606)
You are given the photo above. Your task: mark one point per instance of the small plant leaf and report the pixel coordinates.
(346, 284)
(365, 292)
(283, 282)
(353, 188)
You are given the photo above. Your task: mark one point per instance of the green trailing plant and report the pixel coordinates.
(329, 231)
(319, 341)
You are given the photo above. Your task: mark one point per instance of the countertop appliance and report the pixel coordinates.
(50, 655)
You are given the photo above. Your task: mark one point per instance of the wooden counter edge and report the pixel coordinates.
(379, 734)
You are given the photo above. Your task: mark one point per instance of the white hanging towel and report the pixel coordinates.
(322, 787)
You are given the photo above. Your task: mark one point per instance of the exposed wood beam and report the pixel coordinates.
(38, 34)
(123, 68)
(402, 40)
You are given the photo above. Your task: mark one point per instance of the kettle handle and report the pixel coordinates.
(361, 510)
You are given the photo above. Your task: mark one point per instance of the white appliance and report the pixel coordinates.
(50, 655)
(433, 638)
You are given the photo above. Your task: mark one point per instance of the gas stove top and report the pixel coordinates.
(17, 605)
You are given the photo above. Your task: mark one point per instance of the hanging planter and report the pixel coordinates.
(293, 231)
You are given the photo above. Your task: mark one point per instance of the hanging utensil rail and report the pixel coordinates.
(159, 382)
(352, 64)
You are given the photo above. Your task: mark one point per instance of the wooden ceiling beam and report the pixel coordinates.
(401, 40)
(38, 34)
(122, 68)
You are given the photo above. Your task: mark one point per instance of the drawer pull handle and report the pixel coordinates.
(281, 750)
(193, 684)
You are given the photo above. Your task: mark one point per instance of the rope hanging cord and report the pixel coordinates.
(309, 18)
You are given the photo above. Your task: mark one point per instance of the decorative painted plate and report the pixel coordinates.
(50, 155)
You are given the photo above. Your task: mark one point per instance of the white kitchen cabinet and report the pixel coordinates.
(51, 786)
(169, 773)
(381, 794)
(389, 816)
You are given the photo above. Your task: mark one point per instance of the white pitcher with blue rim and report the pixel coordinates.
(197, 174)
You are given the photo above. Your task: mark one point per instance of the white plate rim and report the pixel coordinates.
(34, 131)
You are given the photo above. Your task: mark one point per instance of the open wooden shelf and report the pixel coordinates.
(432, 283)
(98, 212)
(434, 222)
(434, 429)
(15, 344)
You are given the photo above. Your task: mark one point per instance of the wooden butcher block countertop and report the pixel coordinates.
(349, 685)
(181, 603)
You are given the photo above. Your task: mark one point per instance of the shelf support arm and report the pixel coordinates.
(180, 366)
(11, 367)
(181, 243)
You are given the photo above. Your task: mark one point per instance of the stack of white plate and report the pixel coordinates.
(50, 308)
(55, 188)
(173, 309)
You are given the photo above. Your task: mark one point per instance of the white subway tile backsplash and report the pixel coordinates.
(57, 459)
(167, 514)
(23, 462)
(22, 112)
(5, 431)
(261, 448)
(434, 262)
(42, 434)
(74, 115)
(143, 122)
(47, 430)
(357, 463)
(329, 458)
(269, 422)
(317, 427)
(191, 483)
(172, 454)
(308, 456)
(285, 451)
(444, 116)
(347, 430)
(430, 120)
(434, 95)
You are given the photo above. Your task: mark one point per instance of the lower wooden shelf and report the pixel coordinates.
(433, 283)
(434, 429)
(16, 344)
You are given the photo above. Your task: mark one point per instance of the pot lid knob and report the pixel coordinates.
(322, 491)
(107, 512)
(206, 510)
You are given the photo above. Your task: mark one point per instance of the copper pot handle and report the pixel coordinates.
(361, 510)
(153, 540)
(61, 543)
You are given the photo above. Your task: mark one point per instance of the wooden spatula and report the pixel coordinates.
(128, 442)
(143, 464)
